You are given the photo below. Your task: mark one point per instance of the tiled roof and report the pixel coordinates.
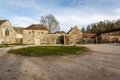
(88, 35)
(2, 21)
(36, 27)
(59, 32)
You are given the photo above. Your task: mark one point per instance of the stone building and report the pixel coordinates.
(7, 33)
(19, 34)
(35, 34)
(88, 38)
(110, 37)
(60, 39)
(75, 35)
(38, 34)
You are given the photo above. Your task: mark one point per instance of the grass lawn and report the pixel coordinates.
(47, 50)
(3, 46)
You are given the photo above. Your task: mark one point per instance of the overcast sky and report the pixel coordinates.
(68, 12)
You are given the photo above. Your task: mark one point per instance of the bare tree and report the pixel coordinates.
(50, 23)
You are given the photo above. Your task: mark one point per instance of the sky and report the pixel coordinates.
(69, 13)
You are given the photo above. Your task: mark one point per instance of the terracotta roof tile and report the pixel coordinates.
(2, 21)
(88, 35)
(36, 27)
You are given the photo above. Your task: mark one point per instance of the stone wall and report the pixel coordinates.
(32, 36)
(66, 39)
(35, 36)
(110, 37)
(10, 37)
(51, 38)
(75, 36)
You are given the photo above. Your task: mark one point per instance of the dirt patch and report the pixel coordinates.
(100, 62)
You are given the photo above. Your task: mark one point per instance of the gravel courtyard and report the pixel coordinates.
(99, 62)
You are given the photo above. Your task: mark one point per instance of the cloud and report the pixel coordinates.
(23, 21)
(117, 10)
(69, 17)
(82, 18)
(20, 3)
(68, 14)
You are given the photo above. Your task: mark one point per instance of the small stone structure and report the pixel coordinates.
(88, 38)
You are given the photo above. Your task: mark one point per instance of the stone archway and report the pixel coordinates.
(60, 39)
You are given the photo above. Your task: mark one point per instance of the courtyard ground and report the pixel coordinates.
(99, 62)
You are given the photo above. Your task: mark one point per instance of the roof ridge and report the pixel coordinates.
(36, 27)
(2, 21)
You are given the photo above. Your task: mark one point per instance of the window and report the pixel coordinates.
(29, 32)
(42, 32)
(6, 32)
(38, 33)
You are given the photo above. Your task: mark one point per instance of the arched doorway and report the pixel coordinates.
(60, 39)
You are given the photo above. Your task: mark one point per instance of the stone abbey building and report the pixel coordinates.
(7, 33)
(38, 34)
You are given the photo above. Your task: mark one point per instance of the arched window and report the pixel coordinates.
(6, 32)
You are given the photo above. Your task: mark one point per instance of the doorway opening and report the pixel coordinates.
(60, 39)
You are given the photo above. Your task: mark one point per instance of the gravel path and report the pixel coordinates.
(100, 62)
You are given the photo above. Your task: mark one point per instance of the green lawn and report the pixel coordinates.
(47, 50)
(3, 46)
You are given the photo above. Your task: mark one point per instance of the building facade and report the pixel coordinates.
(7, 33)
(89, 38)
(110, 37)
(38, 34)
(75, 36)
(19, 34)
(35, 34)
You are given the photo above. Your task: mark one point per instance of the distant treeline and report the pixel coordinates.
(103, 27)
